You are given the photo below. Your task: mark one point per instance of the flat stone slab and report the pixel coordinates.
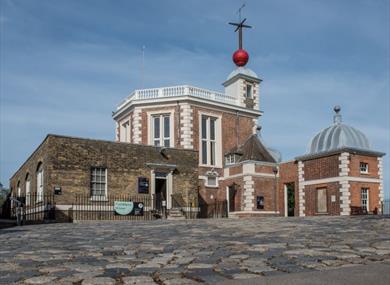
(190, 252)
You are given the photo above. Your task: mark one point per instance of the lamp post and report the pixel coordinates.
(275, 171)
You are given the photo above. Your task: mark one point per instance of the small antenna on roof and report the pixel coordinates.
(142, 67)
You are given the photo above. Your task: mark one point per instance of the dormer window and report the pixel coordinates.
(249, 91)
(231, 159)
(363, 167)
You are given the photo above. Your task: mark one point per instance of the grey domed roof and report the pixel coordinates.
(338, 136)
(242, 70)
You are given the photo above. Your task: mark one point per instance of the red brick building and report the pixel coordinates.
(340, 174)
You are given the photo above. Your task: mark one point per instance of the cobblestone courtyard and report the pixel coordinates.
(188, 252)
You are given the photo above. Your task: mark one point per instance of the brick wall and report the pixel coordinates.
(265, 187)
(68, 161)
(30, 167)
(322, 167)
(311, 198)
(354, 166)
(288, 173)
(373, 190)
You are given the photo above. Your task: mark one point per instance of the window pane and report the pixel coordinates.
(249, 91)
(166, 143)
(156, 127)
(157, 142)
(204, 126)
(212, 128)
(204, 152)
(212, 181)
(166, 127)
(212, 153)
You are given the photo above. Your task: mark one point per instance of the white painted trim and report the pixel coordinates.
(234, 108)
(218, 139)
(285, 200)
(150, 126)
(256, 212)
(340, 179)
(258, 174)
(137, 126)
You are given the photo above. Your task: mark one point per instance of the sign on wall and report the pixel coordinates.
(125, 208)
(143, 185)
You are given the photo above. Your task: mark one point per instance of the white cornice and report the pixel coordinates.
(232, 108)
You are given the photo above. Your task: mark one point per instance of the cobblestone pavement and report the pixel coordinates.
(188, 252)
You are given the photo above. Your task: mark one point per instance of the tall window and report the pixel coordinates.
(364, 198)
(40, 183)
(161, 130)
(28, 189)
(363, 167)
(208, 143)
(322, 206)
(19, 190)
(249, 91)
(125, 132)
(98, 182)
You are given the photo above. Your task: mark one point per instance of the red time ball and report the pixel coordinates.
(240, 57)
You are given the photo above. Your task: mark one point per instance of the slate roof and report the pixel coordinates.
(253, 149)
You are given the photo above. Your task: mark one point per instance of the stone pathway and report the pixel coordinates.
(189, 251)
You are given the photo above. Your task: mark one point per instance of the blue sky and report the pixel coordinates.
(65, 65)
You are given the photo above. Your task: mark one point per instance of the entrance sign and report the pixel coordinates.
(123, 208)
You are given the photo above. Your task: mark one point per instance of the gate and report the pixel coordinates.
(33, 208)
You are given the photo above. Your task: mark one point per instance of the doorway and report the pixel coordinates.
(289, 199)
(160, 190)
(232, 191)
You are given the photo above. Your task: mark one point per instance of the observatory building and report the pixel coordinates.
(189, 146)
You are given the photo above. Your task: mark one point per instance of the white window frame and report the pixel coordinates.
(161, 114)
(230, 159)
(99, 197)
(19, 190)
(125, 133)
(363, 166)
(211, 174)
(250, 92)
(367, 198)
(28, 190)
(40, 186)
(217, 140)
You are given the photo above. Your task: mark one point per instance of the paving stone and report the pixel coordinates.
(98, 281)
(191, 251)
(138, 280)
(40, 280)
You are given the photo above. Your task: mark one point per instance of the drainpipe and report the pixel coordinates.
(275, 171)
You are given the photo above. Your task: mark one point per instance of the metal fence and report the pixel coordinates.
(33, 208)
(116, 207)
(386, 207)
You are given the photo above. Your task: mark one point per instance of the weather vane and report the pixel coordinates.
(240, 57)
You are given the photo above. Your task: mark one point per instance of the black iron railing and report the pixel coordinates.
(111, 207)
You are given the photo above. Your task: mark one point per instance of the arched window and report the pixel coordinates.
(40, 182)
(18, 190)
(28, 189)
